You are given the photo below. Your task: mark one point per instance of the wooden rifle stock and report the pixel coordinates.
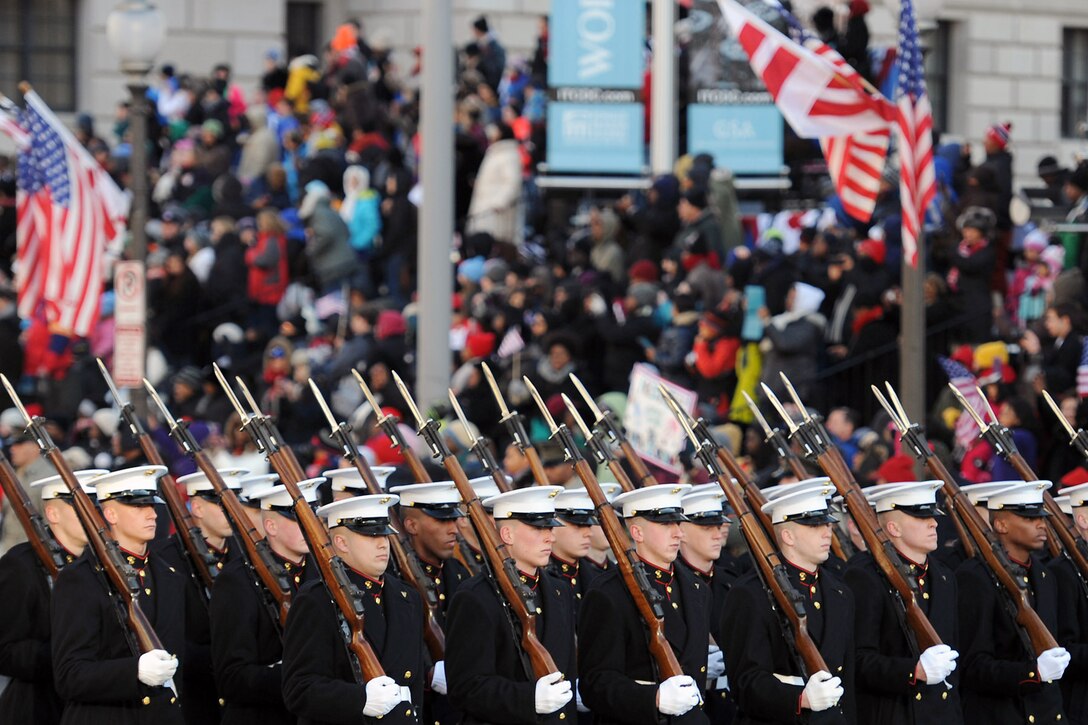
(38, 534)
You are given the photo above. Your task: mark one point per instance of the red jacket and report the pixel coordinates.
(267, 263)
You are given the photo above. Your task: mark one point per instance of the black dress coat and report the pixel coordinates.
(1000, 681)
(318, 682)
(618, 677)
(887, 691)
(94, 669)
(246, 649)
(487, 680)
(720, 707)
(1073, 635)
(756, 649)
(201, 706)
(30, 696)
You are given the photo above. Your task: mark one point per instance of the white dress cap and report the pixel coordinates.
(577, 499)
(917, 498)
(253, 487)
(197, 483)
(775, 492)
(1064, 504)
(1076, 495)
(349, 479)
(54, 486)
(808, 505)
(705, 504)
(534, 505)
(977, 493)
(367, 514)
(138, 486)
(440, 500)
(278, 499)
(1024, 498)
(661, 503)
(485, 487)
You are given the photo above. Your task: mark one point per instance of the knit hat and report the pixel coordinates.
(977, 217)
(874, 249)
(999, 134)
(645, 294)
(1036, 240)
(643, 271)
(390, 323)
(897, 469)
(713, 320)
(480, 23)
(480, 344)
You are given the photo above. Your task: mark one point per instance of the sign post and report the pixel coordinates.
(130, 319)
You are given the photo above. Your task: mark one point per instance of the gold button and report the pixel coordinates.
(146, 700)
(437, 582)
(408, 712)
(816, 604)
(1031, 718)
(574, 582)
(147, 592)
(222, 702)
(173, 700)
(562, 716)
(918, 696)
(921, 582)
(668, 589)
(1026, 581)
(812, 590)
(702, 669)
(925, 595)
(407, 674)
(944, 696)
(441, 597)
(1031, 675)
(377, 600)
(675, 605)
(840, 669)
(539, 610)
(141, 573)
(218, 565)
(578, 595)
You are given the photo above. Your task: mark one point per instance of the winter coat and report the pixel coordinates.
(497, 193)
(328, 250)
(267, 263)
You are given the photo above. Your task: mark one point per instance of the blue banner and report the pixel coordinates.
(596, 137)
(596, 43)
(745, 139)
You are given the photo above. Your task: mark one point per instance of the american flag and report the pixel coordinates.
(512, 343)
(9, 124)
(855, 156)
(811, 92)
(68, 210)
(1082, 370)
(914, 119)
(966, 428)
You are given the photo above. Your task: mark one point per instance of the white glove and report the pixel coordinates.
(822, 691)
(438, 679)
(552, 693)
(1052, 664)
(578, 699)
(938, 662)
(677, 695)
(382, 695)
(715, 664)
(156, 667)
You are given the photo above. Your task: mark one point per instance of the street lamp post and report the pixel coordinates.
(136, 30)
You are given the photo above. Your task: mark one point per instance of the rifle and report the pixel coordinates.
(1034, 634)
(1062, 539)
(500, 566)
(817, 447)
(200, 559)
(772, 572)
(606, 422)
(601, 448)
(45, 545)
(388, 424)
(842, 547)
(482, 450)
(345, 595)
(261, 562)
(122, 583)
(407, 561)
(647, 600)
(515, 427)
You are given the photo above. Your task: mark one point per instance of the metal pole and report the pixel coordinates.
(912, 343)
(138, 114)
(436, 211)
(663, 98)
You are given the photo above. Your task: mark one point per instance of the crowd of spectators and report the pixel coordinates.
(284, 247)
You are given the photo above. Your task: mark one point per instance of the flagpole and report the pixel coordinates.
(912, 343)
